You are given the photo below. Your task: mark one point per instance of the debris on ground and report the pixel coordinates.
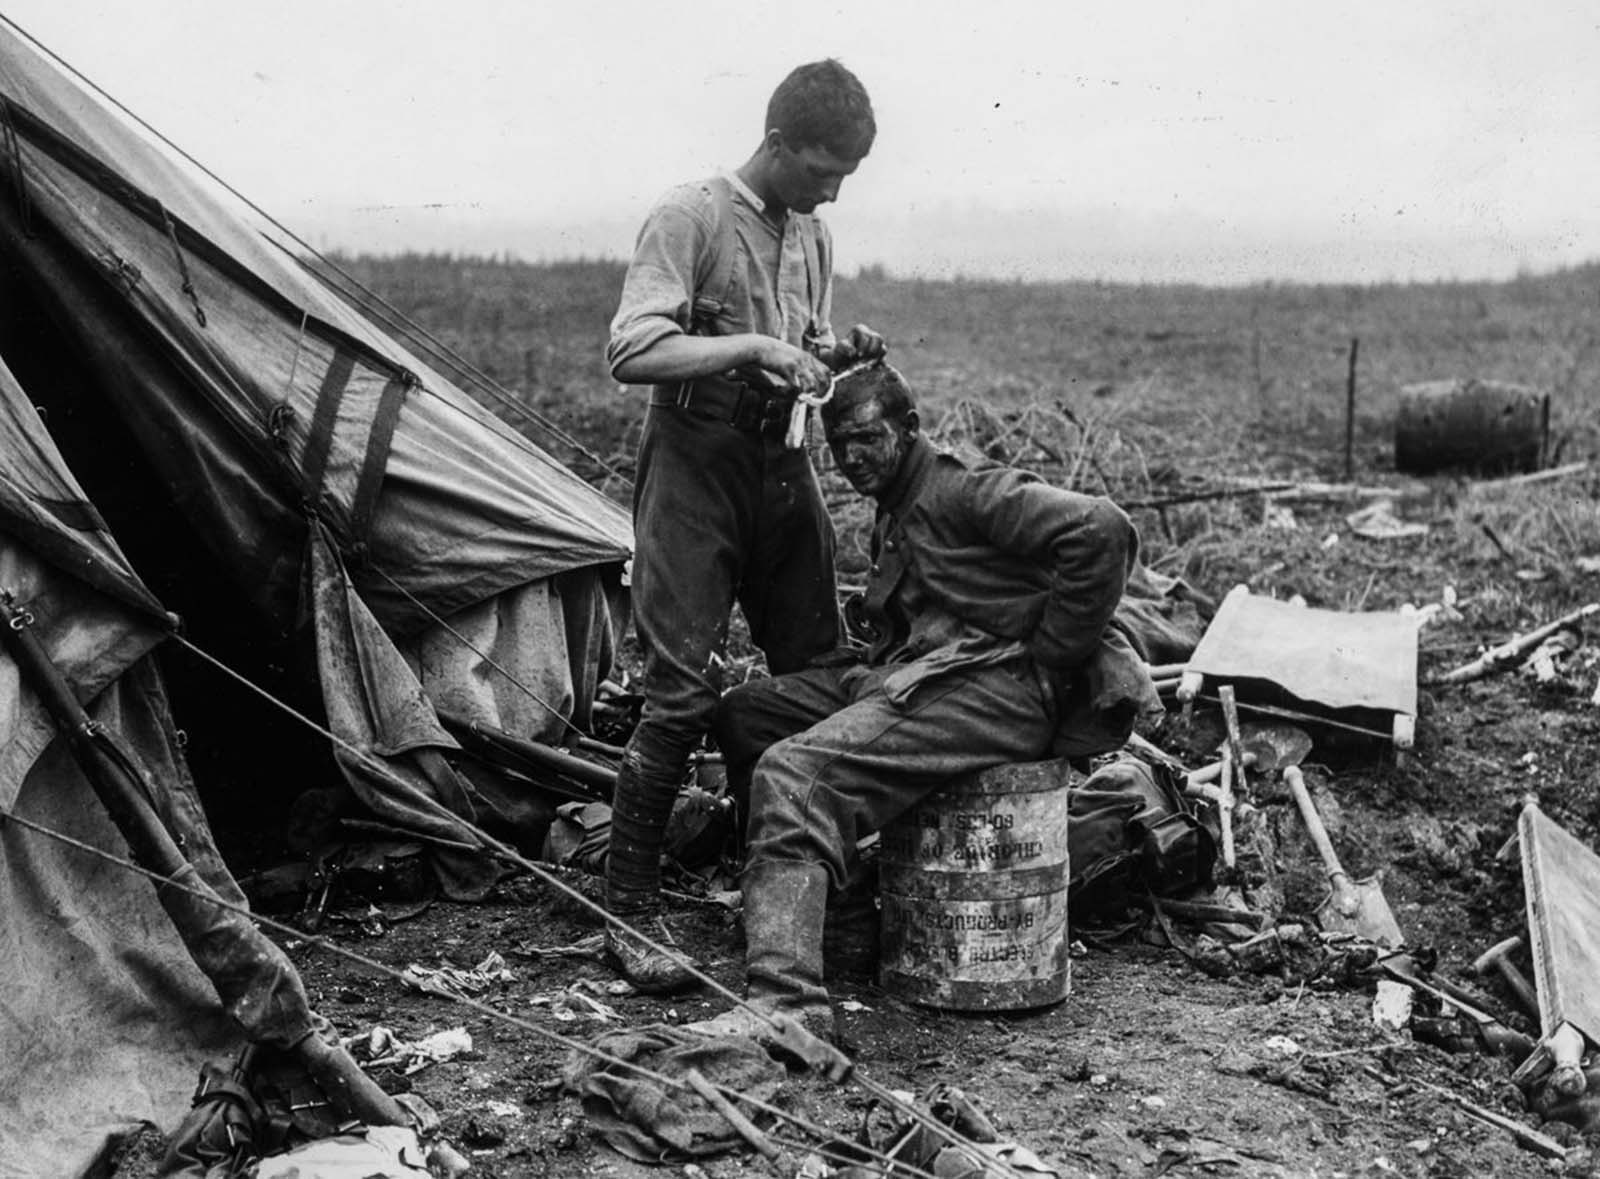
(943, 1133)
(1378, 521)
(381, 1048)
(634, 1091)
(1515, 649)
(375, 1152)
(454, 982)
(578, 1002)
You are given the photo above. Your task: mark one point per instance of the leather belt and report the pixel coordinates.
(718, 399)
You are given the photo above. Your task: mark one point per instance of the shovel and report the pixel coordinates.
(1270, 748)
(1353, 906)
(1266, 750)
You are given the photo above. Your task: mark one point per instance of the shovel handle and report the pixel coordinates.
(1344, 897)
(1230, 722)
(1230, 856)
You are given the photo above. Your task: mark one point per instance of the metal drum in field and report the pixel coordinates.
(1487, 427)
(973, 885)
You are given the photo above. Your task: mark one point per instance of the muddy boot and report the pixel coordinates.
(785, 903)
(850, 938)
(639, 811)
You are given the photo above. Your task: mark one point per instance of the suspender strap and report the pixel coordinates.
(711, 295)
(810, 235)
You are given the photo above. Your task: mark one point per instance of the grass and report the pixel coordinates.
(1251, 377)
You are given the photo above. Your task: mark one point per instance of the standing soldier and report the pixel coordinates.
(725, 312)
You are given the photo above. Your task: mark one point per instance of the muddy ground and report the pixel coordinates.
(1157, 1063)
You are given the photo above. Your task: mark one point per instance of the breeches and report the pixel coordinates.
(721, 515)
(841, 759)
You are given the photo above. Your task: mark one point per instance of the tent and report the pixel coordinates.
(195, 425)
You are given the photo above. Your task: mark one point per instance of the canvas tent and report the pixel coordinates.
(192, 421)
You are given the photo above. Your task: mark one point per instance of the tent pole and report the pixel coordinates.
(258, 985)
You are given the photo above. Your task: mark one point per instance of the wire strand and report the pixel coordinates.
(482, 1008)
(490, 844)
(473, 834)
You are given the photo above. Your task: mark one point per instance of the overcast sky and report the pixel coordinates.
(1166, 140)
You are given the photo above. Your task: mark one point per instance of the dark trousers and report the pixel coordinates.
(720, 515)
(835, 759)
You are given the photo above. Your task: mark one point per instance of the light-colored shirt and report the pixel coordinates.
(778, 281)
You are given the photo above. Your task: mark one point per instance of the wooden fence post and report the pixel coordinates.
(1350, 414)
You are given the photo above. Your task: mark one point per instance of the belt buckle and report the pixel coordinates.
(774, 411)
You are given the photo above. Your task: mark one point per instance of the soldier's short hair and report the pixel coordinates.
(822, 104)
(878, 380)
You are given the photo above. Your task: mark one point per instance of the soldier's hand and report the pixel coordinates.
(795, 368)
(861, 344)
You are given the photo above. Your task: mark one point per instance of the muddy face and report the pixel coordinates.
(867, 446)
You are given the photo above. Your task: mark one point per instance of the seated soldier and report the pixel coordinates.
(988, 605)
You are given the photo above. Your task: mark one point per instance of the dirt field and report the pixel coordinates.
(1153, 1065)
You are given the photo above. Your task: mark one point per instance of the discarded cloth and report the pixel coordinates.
(1163, 617)
(978, 1152)
(377, 1152)
(651, 1122)
(579, 836)
(381, 1048)
(455, 982)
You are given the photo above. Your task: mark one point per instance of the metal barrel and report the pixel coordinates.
(1487, 427)
(973, 885)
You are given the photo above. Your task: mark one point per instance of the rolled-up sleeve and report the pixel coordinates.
(658, 291)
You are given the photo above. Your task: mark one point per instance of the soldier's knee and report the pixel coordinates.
(775, 794)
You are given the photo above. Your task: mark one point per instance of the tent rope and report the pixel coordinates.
(488, 843)
(383, 969)
(299, 347)
(183, 267)
(478, 838)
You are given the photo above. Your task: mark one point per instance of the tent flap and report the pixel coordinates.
(104, 1017)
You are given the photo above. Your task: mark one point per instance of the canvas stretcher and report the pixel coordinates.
(1350, 671)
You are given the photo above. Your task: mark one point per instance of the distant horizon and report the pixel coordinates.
(986, 246)
(1158, 141)
(879, 270)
